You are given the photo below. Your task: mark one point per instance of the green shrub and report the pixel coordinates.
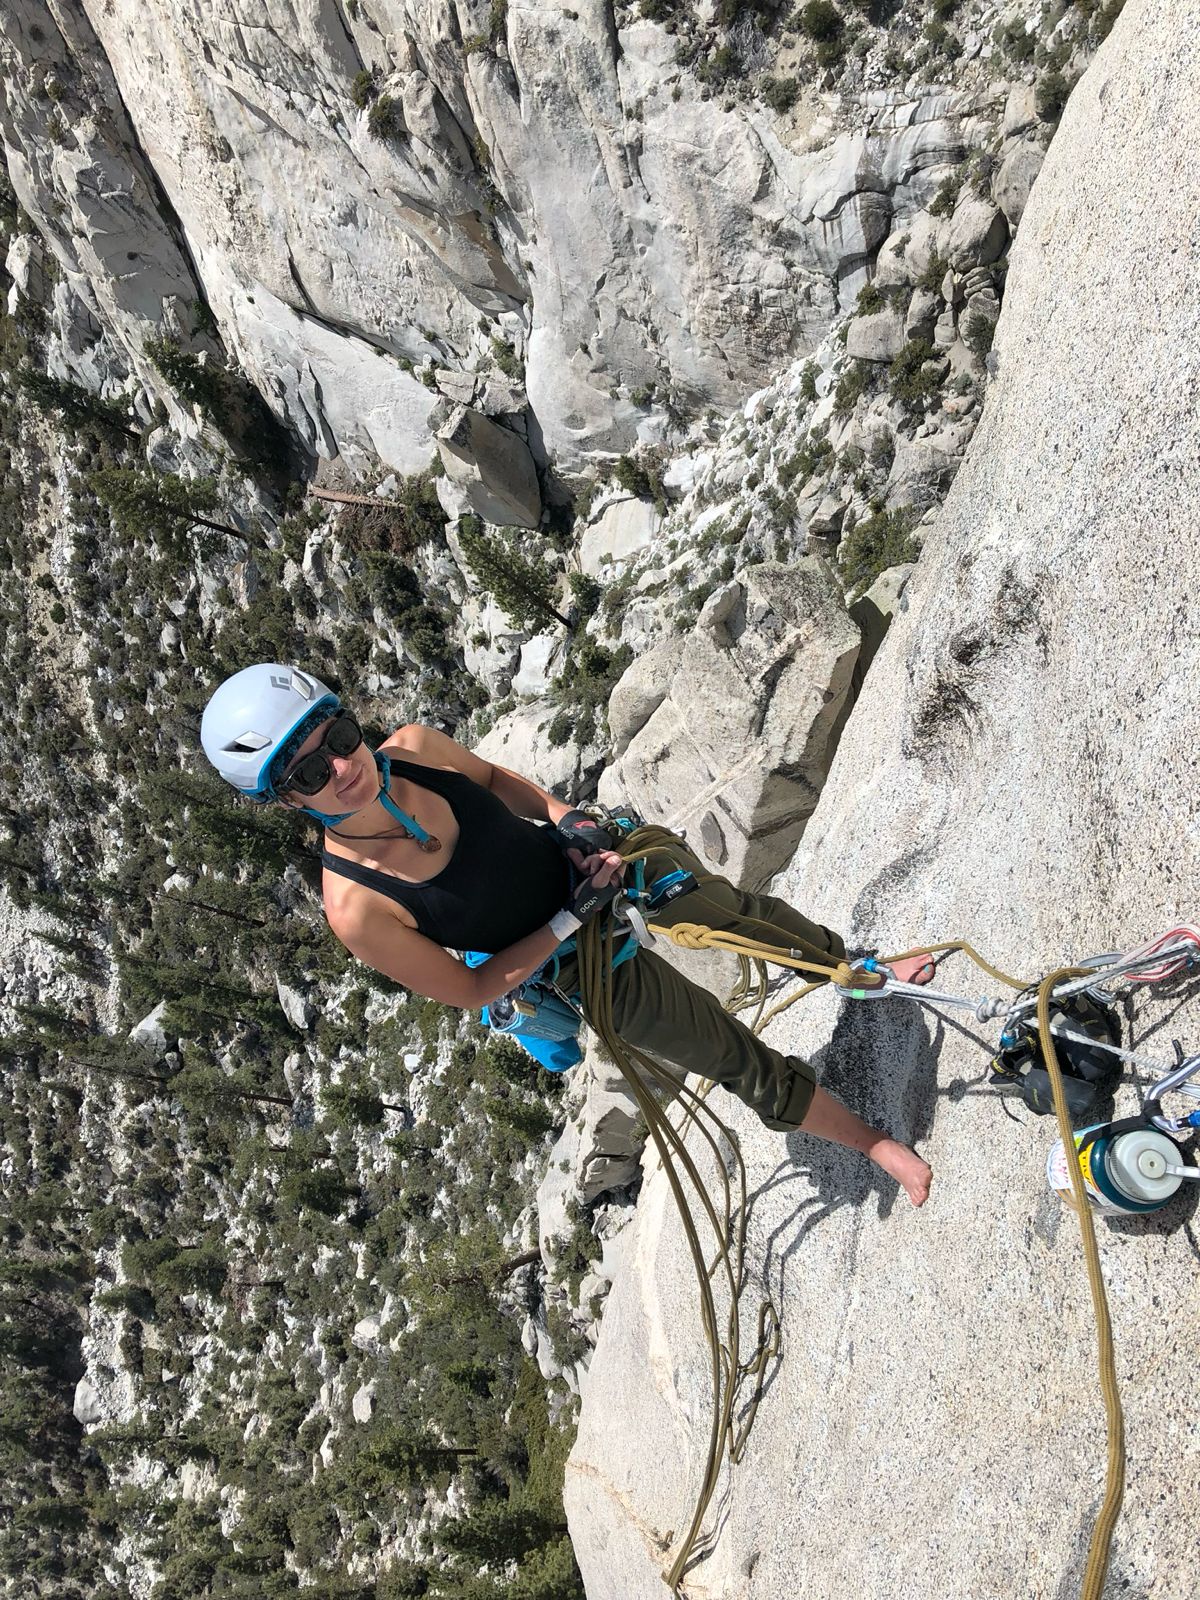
(978, 332)
(412, 516)
(780, 94)
(870, 300)
(1050, 95)
(385, 120)
(855, 381)
(641, 479)
(506, 358)
(909, 380)
(882, 451)
(821, 21)
(362, 89)
(880, 541)
(813, 456)
(943, 202)
(942, 41)
(722, 64)
(934, 274)
(1018, 44)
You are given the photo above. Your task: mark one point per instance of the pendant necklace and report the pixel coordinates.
(409, 827)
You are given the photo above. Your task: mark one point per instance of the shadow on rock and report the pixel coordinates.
(882, 1063)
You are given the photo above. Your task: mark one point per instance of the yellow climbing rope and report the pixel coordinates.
(727, 1221)
(1114, 1485)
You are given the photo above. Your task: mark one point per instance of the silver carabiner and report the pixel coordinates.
(626, 911)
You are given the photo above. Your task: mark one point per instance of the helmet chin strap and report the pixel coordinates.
(384, 767)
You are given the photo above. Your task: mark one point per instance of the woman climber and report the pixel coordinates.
(430, 849)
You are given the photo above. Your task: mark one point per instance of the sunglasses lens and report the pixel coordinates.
(310, 775)
(344, 738)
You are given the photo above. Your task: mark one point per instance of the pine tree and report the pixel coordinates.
(523, 589)
(159, 505)
(77, 406)
(498, 1531)
(400, 1455)
(466, 1269)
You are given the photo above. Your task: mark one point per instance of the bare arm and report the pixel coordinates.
(370, 932)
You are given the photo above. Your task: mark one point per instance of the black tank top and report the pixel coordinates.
(506, 878)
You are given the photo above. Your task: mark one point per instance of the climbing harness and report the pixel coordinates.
(538, 1014)
(1058, 1044)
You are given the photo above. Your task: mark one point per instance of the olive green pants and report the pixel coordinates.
(657, 1009)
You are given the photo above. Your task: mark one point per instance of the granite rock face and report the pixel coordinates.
(1019, 770)
(360, 208)
(493, 467)
(728, 733)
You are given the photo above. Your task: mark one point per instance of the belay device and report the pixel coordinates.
(1089, 1072)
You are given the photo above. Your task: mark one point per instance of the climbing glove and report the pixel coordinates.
(588, 900)
(577, 831)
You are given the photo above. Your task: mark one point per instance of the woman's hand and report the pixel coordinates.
(602, 866)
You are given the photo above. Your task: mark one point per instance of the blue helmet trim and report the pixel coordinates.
(264, 788)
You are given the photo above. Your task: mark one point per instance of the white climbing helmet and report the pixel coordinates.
(255, 716)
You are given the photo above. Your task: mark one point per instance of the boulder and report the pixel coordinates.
(150, 1031)
(738, 747)
(923, 311)
(873, 611)
(366, 1334)
(983, 303)
(24, 265)
(296, 1007)
(826, 520)
(88, 1405)
(598, 1151)
(640, 690)
(1019, 166)
(611, 1134)
(457, 386)
(535, 667)
(622, 529)
(1020, 110)
(975, 281)
(923, 469)
(907, 252)
(548, 1363)
(877, 337)
(362, 1407)
(520, 740)
(556, 1191)
(978, 232)
(945, 330)
(494, 468)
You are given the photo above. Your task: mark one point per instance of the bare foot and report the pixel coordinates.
(912, 1174)
(914, 969)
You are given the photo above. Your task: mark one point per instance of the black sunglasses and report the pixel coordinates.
(314, 770)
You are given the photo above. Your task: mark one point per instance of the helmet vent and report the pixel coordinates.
(247, 743)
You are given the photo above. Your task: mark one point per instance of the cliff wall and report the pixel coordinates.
(1020, 771)
(361, 202)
